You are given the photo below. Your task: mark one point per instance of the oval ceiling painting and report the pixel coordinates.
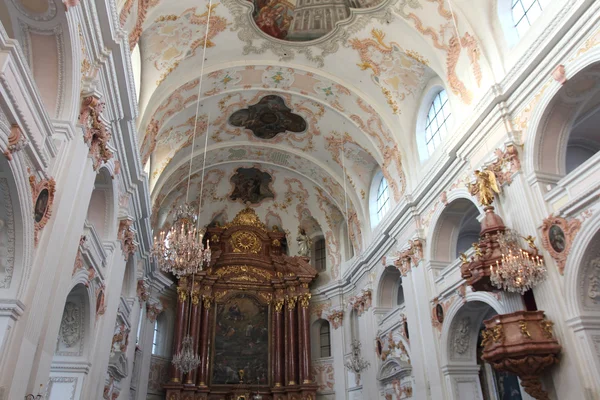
(303, 20)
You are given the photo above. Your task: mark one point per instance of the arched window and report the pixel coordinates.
(325, 339)
(383, 198)
(155, 339)
(438, 121)
(400, 294)
(320, 257)
(525, 12)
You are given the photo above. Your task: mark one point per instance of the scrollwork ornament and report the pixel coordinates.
(278, 305)
(291, 302)
(182, 294)
(207, 301)
(547, 328)
(305, 300)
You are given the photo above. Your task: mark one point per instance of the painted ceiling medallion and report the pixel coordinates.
(303, 20)
(291, 27)
(267, 118)
(251, 185)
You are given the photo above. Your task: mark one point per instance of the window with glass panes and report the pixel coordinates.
(383, 199)
(155, 338)
(525, 12)
(438, 119)
(325, 339)
(320, 256)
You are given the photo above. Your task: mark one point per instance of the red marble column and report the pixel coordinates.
(180, 326)
(278, 332)
(304, 328)
(204, 336)
(194, 330)
(292, 359)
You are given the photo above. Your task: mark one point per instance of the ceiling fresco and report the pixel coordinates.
(268, 117)
(303, 20)
(301, 103)
(251, 186)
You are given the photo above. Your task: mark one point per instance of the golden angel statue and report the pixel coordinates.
(484, 187)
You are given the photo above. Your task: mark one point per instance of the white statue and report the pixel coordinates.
(304, 243)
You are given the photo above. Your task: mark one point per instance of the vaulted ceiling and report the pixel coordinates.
(300, 91)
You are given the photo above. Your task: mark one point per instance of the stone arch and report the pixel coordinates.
(103, 203)
(453, 225)
(316, 337)
(16, 240)
(459, 346)
(70, 363)
(550, 125)
(582, 297)
(49, 37)
(390, 283)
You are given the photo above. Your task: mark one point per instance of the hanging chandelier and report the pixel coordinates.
(187, 359)
(180, 250)
(518, 270)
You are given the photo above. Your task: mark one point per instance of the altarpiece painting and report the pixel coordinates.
(241, 342)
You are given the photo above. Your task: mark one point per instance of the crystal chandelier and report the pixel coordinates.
(187, 359)
(519, 270)
(180, 250)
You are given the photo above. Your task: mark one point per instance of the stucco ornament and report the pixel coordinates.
(126, 236)
(42, 193)
(256, 41)
(558, 235)
(336, 318)
(460, 342)
(69, 326)
(594, 280)
(16, 141)
(96, 134)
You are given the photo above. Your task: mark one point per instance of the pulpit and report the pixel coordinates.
(248, 315)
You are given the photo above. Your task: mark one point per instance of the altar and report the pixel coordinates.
(248, 315)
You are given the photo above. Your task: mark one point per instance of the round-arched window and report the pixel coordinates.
(383, 199)
(525, 12)
(438, 121)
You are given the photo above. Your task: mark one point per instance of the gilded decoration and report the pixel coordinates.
(558, 235)
(243, 270)
(16, 141)
(182, 294)
(304, 300)
(245, 242)
(96, 134)
(278, 304)
(42, 193)
(247, 217)
(484, 187)
(207, 301)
